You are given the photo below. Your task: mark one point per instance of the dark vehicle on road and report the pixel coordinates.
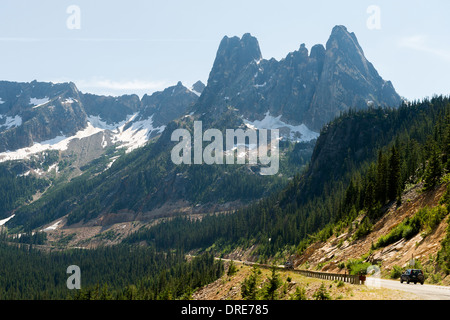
(412, 275)
(289, 265)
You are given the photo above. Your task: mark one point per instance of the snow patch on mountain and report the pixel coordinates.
(36, 102)
(53, 226)
(260, 85)
(10, 122)
(129, 134)
(59, 143)
(298, 133)
(97, 122)
(2, 222)
(111, 161)
(69, 101)
(135, 134)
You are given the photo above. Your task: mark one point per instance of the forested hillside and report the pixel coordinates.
(370, 157)
(15, 189)
(145, 179)
(106, 273)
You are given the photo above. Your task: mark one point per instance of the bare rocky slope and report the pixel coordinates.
(329, 256)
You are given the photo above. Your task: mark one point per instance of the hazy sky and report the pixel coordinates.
(137, 46)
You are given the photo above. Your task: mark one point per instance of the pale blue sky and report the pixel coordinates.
(138, 46)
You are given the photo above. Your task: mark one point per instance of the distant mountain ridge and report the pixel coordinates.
(45, 113)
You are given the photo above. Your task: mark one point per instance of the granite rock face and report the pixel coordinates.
(309, 88)
(38, 112)
(348, 80)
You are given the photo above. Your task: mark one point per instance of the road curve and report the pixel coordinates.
(426, 291)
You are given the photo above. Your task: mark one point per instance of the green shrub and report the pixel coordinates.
(425, 219)
(364, 229)
(445, 200)
(396, 272)
(232, 269)
(443, 256)
(357, 266)
(431, 218)
(299, 294)
(408, 232)
(322, 293)
(435, 278)
(340, 283)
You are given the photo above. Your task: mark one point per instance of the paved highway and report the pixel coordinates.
(426, 291)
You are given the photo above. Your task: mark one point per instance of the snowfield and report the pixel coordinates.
(38, 102)
(270, 122)
(135, 135)
(2, 222)
(52, 227)
(59, 143)
(11, 122)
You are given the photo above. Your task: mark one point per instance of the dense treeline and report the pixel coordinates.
(121, 273)
(53, 204)
(419, 153)
(16, 190)
(411, 146)
(177, 281)
(30, 238)
(143, 180)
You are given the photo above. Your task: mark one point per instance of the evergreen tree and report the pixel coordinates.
(299, 294)
(274, 282)
(232, 269)
(382, 178)
(322, 293)
(446, 146)
(249, 287)
(434, 169)
(394, 175)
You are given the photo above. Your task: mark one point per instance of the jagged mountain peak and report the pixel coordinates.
(317, 51)
(246, 44)
(344, 42)
(341, 32)
(198, 87)
(309, 88)
(234, 54)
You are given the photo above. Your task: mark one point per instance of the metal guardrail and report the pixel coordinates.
(349, 278)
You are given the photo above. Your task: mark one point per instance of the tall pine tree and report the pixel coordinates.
(394, 175)
(434, 168)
